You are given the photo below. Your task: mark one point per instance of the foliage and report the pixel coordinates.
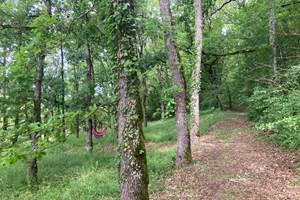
(277, 109)
(67, 172)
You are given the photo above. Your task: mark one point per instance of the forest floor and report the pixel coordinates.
(231, 162)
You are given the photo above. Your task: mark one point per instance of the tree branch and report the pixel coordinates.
(8, 26)
(243, 51)
(221, 7)
(289, 4)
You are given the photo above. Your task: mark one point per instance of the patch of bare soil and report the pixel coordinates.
(231, 163)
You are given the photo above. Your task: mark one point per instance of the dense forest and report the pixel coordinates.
(131, 99)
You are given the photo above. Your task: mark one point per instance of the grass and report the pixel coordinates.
(67, 172)
(210, 117)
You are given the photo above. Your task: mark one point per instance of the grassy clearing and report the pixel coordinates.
(67, 172)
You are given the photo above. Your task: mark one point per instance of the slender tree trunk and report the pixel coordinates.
(197, 71)
(48, 4)
(184, 155)
(15, 138)
(63, 89)
(133, 165)
(32, 168)
(161, 87)
(144, 101)
(219, 102)
(272, 38)
(5, 118)
(90, 95)
(230, 106)
(77, 120)
(77, 126)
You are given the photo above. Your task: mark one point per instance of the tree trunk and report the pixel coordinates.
(133, 165)
(230, 106)
(219, 102)
(77, 120)
(90, 95)
(272, 38)
(48, 5)
(77, 126)
(183, 154)
(161, 87)
(15, 137)
(144, 101)
(197, 71)
(32, 169)
(63, 89)
(5, 118)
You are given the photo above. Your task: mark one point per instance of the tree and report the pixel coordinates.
(89, 97)
(197, 70)
(272, 38)
(32, 170)
(183, 155)
(133, 165)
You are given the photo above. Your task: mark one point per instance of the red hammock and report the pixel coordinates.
(100, 133)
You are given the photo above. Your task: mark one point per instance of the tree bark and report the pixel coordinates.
(197, 70)
(77, 120)
(220, 104)
(272, 38)
(32, 167)
(63, 89)
(5, 118)
(161, 87)
(183, 154)
(134, 178)
(16, 136)
(230, 106)
(144, 100)
(89, 97)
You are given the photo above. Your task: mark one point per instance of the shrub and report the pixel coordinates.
(277, 109)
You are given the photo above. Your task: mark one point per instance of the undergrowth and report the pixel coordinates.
(68, 172)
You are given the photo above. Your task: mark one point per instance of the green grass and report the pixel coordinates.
(67, 172)
(161, 131)
(211, 117)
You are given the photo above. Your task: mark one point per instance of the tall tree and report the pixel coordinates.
(272, 38)
(32, 169)
(183, 154)
(4, 83)
(89, 97)
(133, 164)
(197, 70)
(62, 74)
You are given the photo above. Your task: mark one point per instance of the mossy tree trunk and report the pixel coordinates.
(133, 164)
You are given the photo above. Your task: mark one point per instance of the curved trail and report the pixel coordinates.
(231, 163)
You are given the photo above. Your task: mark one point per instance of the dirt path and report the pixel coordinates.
(231, 163)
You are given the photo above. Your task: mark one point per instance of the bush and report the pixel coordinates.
(277, 109)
